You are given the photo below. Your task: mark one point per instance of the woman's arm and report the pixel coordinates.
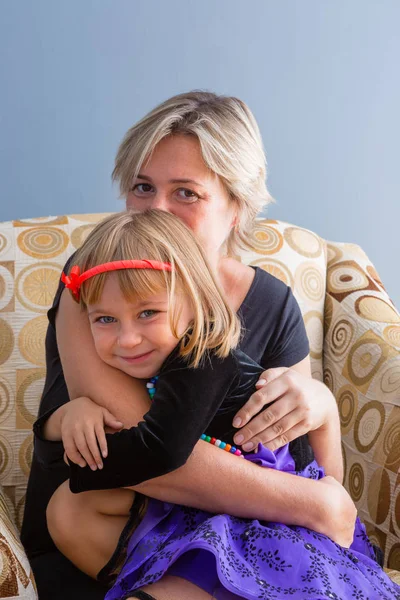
(199, 482)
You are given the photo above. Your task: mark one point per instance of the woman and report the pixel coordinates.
(200, 157)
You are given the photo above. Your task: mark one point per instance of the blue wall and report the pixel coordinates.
(322, 78)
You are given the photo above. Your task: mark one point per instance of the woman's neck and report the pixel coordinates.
(235, 279)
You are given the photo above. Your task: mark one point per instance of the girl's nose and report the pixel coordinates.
(129, 337)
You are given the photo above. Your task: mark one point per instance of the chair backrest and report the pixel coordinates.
(353, 329)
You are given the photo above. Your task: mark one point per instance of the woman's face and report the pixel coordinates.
(176, 180)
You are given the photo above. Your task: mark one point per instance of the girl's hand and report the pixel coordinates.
(300, 404)
(83, 424)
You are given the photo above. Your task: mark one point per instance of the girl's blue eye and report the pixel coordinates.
(106, 320)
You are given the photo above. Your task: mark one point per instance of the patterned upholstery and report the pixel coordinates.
(353, 328)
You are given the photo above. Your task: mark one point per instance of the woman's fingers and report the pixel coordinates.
(259, 399)
(281, 433)
(278, 388)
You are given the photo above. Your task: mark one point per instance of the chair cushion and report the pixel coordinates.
(16, 577)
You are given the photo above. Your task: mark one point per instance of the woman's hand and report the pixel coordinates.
(83, 424)
(300, 404)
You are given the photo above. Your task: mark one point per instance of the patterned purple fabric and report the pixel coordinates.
(235, 558)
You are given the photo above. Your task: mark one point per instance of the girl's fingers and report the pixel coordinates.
(81, 444)
(72, 451)
(110, 420)
(260, 398)
(290, 435)
(101, 439)
(93, 446)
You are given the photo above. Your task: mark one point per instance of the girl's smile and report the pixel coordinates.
(135, 336)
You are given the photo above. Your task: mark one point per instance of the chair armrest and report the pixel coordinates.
(362, 368)
(17, 579)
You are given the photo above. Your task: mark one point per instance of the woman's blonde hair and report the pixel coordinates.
(230, 144)
(158, 235)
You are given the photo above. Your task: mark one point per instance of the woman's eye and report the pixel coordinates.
(146, 314)
(106, 320)
(142, 188)
(188, 195)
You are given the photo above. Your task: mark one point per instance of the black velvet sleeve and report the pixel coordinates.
(185, 402)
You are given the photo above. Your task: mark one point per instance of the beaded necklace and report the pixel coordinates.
(151, 388)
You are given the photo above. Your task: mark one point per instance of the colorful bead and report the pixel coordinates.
(151, 389)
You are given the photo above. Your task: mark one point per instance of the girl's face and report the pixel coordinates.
(134, 337)
(176, 180)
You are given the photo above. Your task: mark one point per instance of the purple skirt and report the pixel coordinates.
(233, 558)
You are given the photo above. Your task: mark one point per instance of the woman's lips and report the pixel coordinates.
(138, 358)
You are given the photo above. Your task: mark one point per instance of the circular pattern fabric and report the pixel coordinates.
(265, 239)
(304, 242)
(356, 481)
(6, 457)
(6, 287)
(6, 341)
(315, 332)
(329, 379)
(390, 378)
(365, 358)
(328, 312)
(4, 243)
(310, 283)
(79, 235)
(275, 268)
(345, 277)
(334, 254)
(391, 442)
(396, 511)
(6, 395)
(36, 286)
(369, 423)
(29, 393)
(391, 334)
(374, 275)
(347, 401)
(43, 242)
(394, 557)
(25, 454)
(341, 336)
(376, 309)
(379, 494)
(30, 340)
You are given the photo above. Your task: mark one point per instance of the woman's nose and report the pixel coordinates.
(160, 201)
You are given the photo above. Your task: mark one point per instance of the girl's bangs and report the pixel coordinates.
(134, 284)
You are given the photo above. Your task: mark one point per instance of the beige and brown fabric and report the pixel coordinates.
(16, 577)
(353, 328)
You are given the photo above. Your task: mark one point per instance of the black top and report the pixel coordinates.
(274, 335)
(187, 403)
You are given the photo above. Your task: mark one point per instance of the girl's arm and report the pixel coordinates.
(198, 482)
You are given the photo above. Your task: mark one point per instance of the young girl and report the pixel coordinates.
(156, 312)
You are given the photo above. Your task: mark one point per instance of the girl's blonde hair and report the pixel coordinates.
(230, 144)
(158, 235)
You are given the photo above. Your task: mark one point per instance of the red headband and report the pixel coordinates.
(74, 280)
